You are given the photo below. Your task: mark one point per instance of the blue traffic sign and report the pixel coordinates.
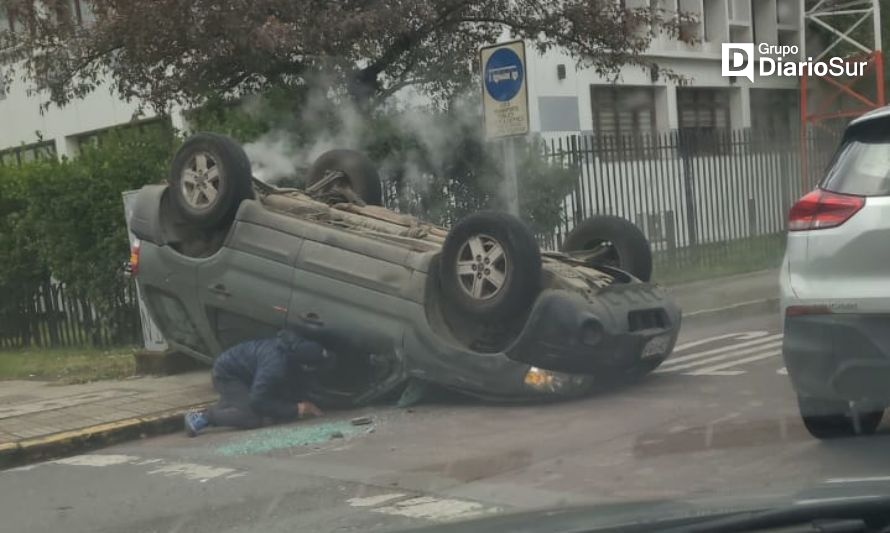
(503, 75)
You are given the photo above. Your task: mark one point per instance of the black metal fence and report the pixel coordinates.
(55, 317)
(716, 200)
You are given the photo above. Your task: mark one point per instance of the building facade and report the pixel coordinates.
(562, 98)
(566, 99)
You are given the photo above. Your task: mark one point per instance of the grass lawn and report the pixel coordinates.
(714, 260)
(67, 365)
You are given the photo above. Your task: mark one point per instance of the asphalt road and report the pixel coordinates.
(718, 420)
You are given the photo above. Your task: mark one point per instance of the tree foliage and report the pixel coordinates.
(167, 51)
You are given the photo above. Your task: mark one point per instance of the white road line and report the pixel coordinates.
(193, 472)
(721, 369)
(96, 460)
(666, 367)
(723, 349)
(371, 501)
(857, 479)
(434, 509)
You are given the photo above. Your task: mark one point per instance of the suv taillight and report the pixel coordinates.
(822, 209)
(133, 264)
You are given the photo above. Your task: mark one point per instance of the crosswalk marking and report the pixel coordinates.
(723, 349)
(742, 336)
(425, 507)
(725, 359)
(672, 366)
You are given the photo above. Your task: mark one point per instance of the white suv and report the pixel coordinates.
(835, 287)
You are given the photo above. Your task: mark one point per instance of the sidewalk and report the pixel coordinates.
(40, 420)
(729, 296)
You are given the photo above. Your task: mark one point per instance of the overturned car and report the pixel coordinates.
(222, 257)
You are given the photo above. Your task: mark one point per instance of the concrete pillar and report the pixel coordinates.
(666, 117)
(740, 107)
(66, 147)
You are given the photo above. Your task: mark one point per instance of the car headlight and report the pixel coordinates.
(547, 381)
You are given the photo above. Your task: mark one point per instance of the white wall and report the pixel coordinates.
(701, 72)
(21, 118)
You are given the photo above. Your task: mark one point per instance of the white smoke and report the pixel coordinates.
(278, 154)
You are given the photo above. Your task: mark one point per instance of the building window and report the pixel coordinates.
(703, 109)
(20, 155)
(623, 110)
(622, 117)
(775, 113)
(703, 113)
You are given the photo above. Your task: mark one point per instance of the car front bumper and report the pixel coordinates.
(839, 356)
(621, 327)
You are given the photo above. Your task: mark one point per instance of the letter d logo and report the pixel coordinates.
(737, 59)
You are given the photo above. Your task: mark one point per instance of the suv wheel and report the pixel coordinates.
(361, 175)
(611, 241)
(491, 266)
(827, 419)
(209, 177)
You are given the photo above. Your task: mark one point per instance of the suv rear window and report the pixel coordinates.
(862, 164)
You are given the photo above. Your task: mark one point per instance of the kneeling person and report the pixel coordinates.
(260, 379)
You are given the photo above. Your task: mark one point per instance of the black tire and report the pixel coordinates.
(826, 419)
(626, 246)
(360, 171)
(232, 181)
(519, 267)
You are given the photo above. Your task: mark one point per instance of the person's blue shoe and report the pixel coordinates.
(195, 422)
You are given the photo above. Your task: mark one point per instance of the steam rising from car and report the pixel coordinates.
(280, 155)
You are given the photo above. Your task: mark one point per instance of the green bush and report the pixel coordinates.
(22, 265)
(67, 217)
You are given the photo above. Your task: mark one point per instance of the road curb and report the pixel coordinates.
(736, 310)
(69, 442)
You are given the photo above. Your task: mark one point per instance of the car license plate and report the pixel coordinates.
(656, 346)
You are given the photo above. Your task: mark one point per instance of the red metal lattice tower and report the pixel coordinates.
(827, 100)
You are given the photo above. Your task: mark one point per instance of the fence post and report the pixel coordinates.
(785, 185)
(52, 322)
(577, 200)
(686, 151)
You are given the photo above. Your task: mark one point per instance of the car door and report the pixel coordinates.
(354, 288)
(245, 288)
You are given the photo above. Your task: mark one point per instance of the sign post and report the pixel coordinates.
(505, 106)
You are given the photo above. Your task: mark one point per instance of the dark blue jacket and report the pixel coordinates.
(273, 369)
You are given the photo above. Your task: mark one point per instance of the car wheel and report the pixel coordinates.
(611, 241)
(359, 170)
(209, 177)
(826, 419)
(490, 266)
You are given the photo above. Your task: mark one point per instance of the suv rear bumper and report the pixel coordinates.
(606, 331)
(839, 356)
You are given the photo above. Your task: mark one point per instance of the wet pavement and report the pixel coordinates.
(720, 420)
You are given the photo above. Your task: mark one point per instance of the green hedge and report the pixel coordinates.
(67, 217)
